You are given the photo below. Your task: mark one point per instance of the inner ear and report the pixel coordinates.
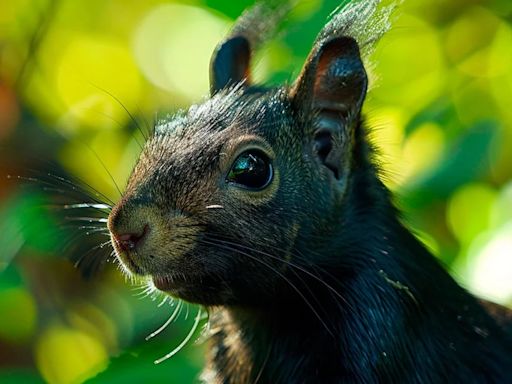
(330, 141)
(230, 63)
(323, 146)
(329, 95)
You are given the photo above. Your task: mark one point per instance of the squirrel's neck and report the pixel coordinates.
(252, 345)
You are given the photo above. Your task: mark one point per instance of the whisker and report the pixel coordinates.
(87, 219)
(140, 288)
(87, 227)
(164, 300)
(185, 341)
(87, 205)
(169, 321)
(181, 309)
(145, 291)
(77, 225)
(105, 168)
(91, 264)
(70, 236)
(51, 187)
(146, 124)
(214, 206)
(86, 231)
(263, 365)
(75, 188)
(100, 246)
(97, 231)
(58, 190)
(132, 118)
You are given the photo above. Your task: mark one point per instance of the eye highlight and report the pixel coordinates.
(251, 170)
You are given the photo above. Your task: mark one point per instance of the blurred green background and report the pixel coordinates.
(81, 82)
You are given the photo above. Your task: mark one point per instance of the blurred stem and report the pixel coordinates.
(37, 38)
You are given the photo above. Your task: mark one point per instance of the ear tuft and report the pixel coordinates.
(230, 64)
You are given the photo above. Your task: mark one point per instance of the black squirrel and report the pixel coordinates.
(265, 206)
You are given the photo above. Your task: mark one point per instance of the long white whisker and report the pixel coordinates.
(103, 227)
(163, 301)
(88, 205)
(51, 187)
(185, 340)
(87, 219)
(215, 206)
(169, 321)
(96, 193)
(96, 230)
(85, 255)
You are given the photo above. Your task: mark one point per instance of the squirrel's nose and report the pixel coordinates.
(130, 241)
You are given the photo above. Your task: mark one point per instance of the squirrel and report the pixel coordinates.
(264, 205)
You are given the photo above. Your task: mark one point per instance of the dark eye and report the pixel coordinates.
(252, 170)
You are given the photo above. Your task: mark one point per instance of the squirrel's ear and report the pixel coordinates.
(230, 63)
(333, 78)
(331, 89)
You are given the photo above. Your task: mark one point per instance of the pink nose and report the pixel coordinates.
(130, 241)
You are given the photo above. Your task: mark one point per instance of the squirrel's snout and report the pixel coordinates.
(129, 227)
(148, 242)
(130, 241)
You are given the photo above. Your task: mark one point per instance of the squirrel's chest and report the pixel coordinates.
(236, 356)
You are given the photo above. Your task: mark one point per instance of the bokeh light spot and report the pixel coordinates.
(92, 320)
(89, 69)
(468, 47)
(469, 211)
(502, 208)
(412, 62)
(65, 355)
(422, 149)
(173, 45)
(19, 315)
(490, 262)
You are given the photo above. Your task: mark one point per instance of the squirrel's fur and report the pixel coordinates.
(312, 279)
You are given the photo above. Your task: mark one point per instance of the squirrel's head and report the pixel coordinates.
(223, 193)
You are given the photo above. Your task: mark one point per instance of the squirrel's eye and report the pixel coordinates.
(252, 170)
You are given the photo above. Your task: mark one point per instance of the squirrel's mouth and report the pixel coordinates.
(127, 262)
(168, 283)
(194, 288)
(176, 282)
